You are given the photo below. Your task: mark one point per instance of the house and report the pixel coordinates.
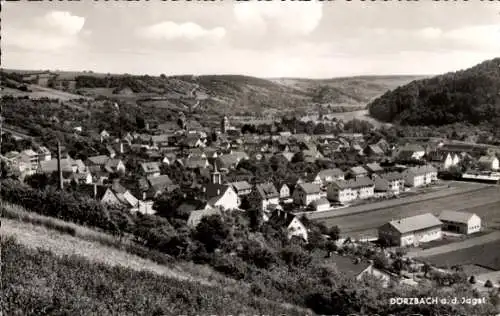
(227, 199)
(284, 191)
(411, 231)
(193, 140)
(288, 156)
(358, 171)
(44, 154)
(160, 184)
(31, 159)
(320, 205)
(443, 160)
(242, 188)
(460, 222)
(305, 193)
(411, 152)
(357, 269)
(160, 141)
(488, 163)
(420, 175)
(114, 166)
(68, 166)
(374, 151)
(329, 175)
(294, 227)
(374, 168)
(384, 145)
(150, 169)
(267, 195)
(168, 158)
(195, 163)
(195, 217)
(97, 161)
(391, 182)
(230, 161)
(349, 190)
(311, 156)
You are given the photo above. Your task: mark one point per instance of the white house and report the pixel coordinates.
(305, 193)
(411, 230)
(330, 175)
(489, 163)
(460, 222)
(227, 200)
(419, 176)
(411, 151)
(392, 182)
(443, 160)
(292, 224)
(346, 191)
(267, 194)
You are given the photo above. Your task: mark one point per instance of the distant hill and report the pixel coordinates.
(230, 94)
(471, 95)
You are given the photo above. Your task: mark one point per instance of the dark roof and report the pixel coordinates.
(241, 186)
(310, 188)
(347, 265)
(159, 182)
(376, 149)
(267, 191)
(88, 190)
(374, 167)
(98, 160)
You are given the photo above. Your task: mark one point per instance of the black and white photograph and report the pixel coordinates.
(246, 157)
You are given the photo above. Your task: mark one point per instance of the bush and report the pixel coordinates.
(488, 283)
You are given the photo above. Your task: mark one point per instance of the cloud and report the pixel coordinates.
(171, 31)
(271, 18)
(63, 22)
(53, 31)
(429, 33)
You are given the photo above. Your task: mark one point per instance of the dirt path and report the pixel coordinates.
(455, 246)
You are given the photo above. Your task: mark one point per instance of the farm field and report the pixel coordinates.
(39, 92)
(485, 203)
(486, 255)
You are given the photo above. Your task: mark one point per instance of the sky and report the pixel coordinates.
(264, 39)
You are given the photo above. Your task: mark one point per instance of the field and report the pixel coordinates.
(38, 92)
(485, 255)
(484, 202)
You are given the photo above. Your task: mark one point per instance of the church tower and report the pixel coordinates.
(216, 176)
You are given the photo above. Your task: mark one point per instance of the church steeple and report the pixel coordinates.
(216, 176)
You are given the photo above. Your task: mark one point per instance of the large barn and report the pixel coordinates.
(411, 231)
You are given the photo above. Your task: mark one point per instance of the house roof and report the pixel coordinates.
(456, 217)
(161, 138)
(360, 182)
(415, 223)
(113, 163)
(421, 170)
(195, 162)
(159, 182)
(281, 218)
(412, 148)
(241, 186)
(150, 167)
(50, 166)
(437, 156)
(267, 190)
(219, 196)
(227, 161)
(98, 160)
(376, 149)
(391, 176)
(196, 216)
(43, 150)
(487, 159)
(374, 167)
(348, 266)
(29, 152)
(358, 170)
(310, 188)
(333, 172)
(88, 190)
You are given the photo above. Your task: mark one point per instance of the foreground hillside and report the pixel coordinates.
(471, 95)
(231, 94)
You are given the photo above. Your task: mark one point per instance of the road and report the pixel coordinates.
(468, 243)
(485, 203)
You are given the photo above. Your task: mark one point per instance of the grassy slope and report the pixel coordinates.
(122, 276)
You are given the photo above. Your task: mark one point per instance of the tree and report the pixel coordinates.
(211, 232)
(488, 284)
(381, 262)
(472, 280)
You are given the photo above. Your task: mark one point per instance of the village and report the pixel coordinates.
(392, 173)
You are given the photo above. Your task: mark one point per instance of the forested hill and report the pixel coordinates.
(471, 95)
